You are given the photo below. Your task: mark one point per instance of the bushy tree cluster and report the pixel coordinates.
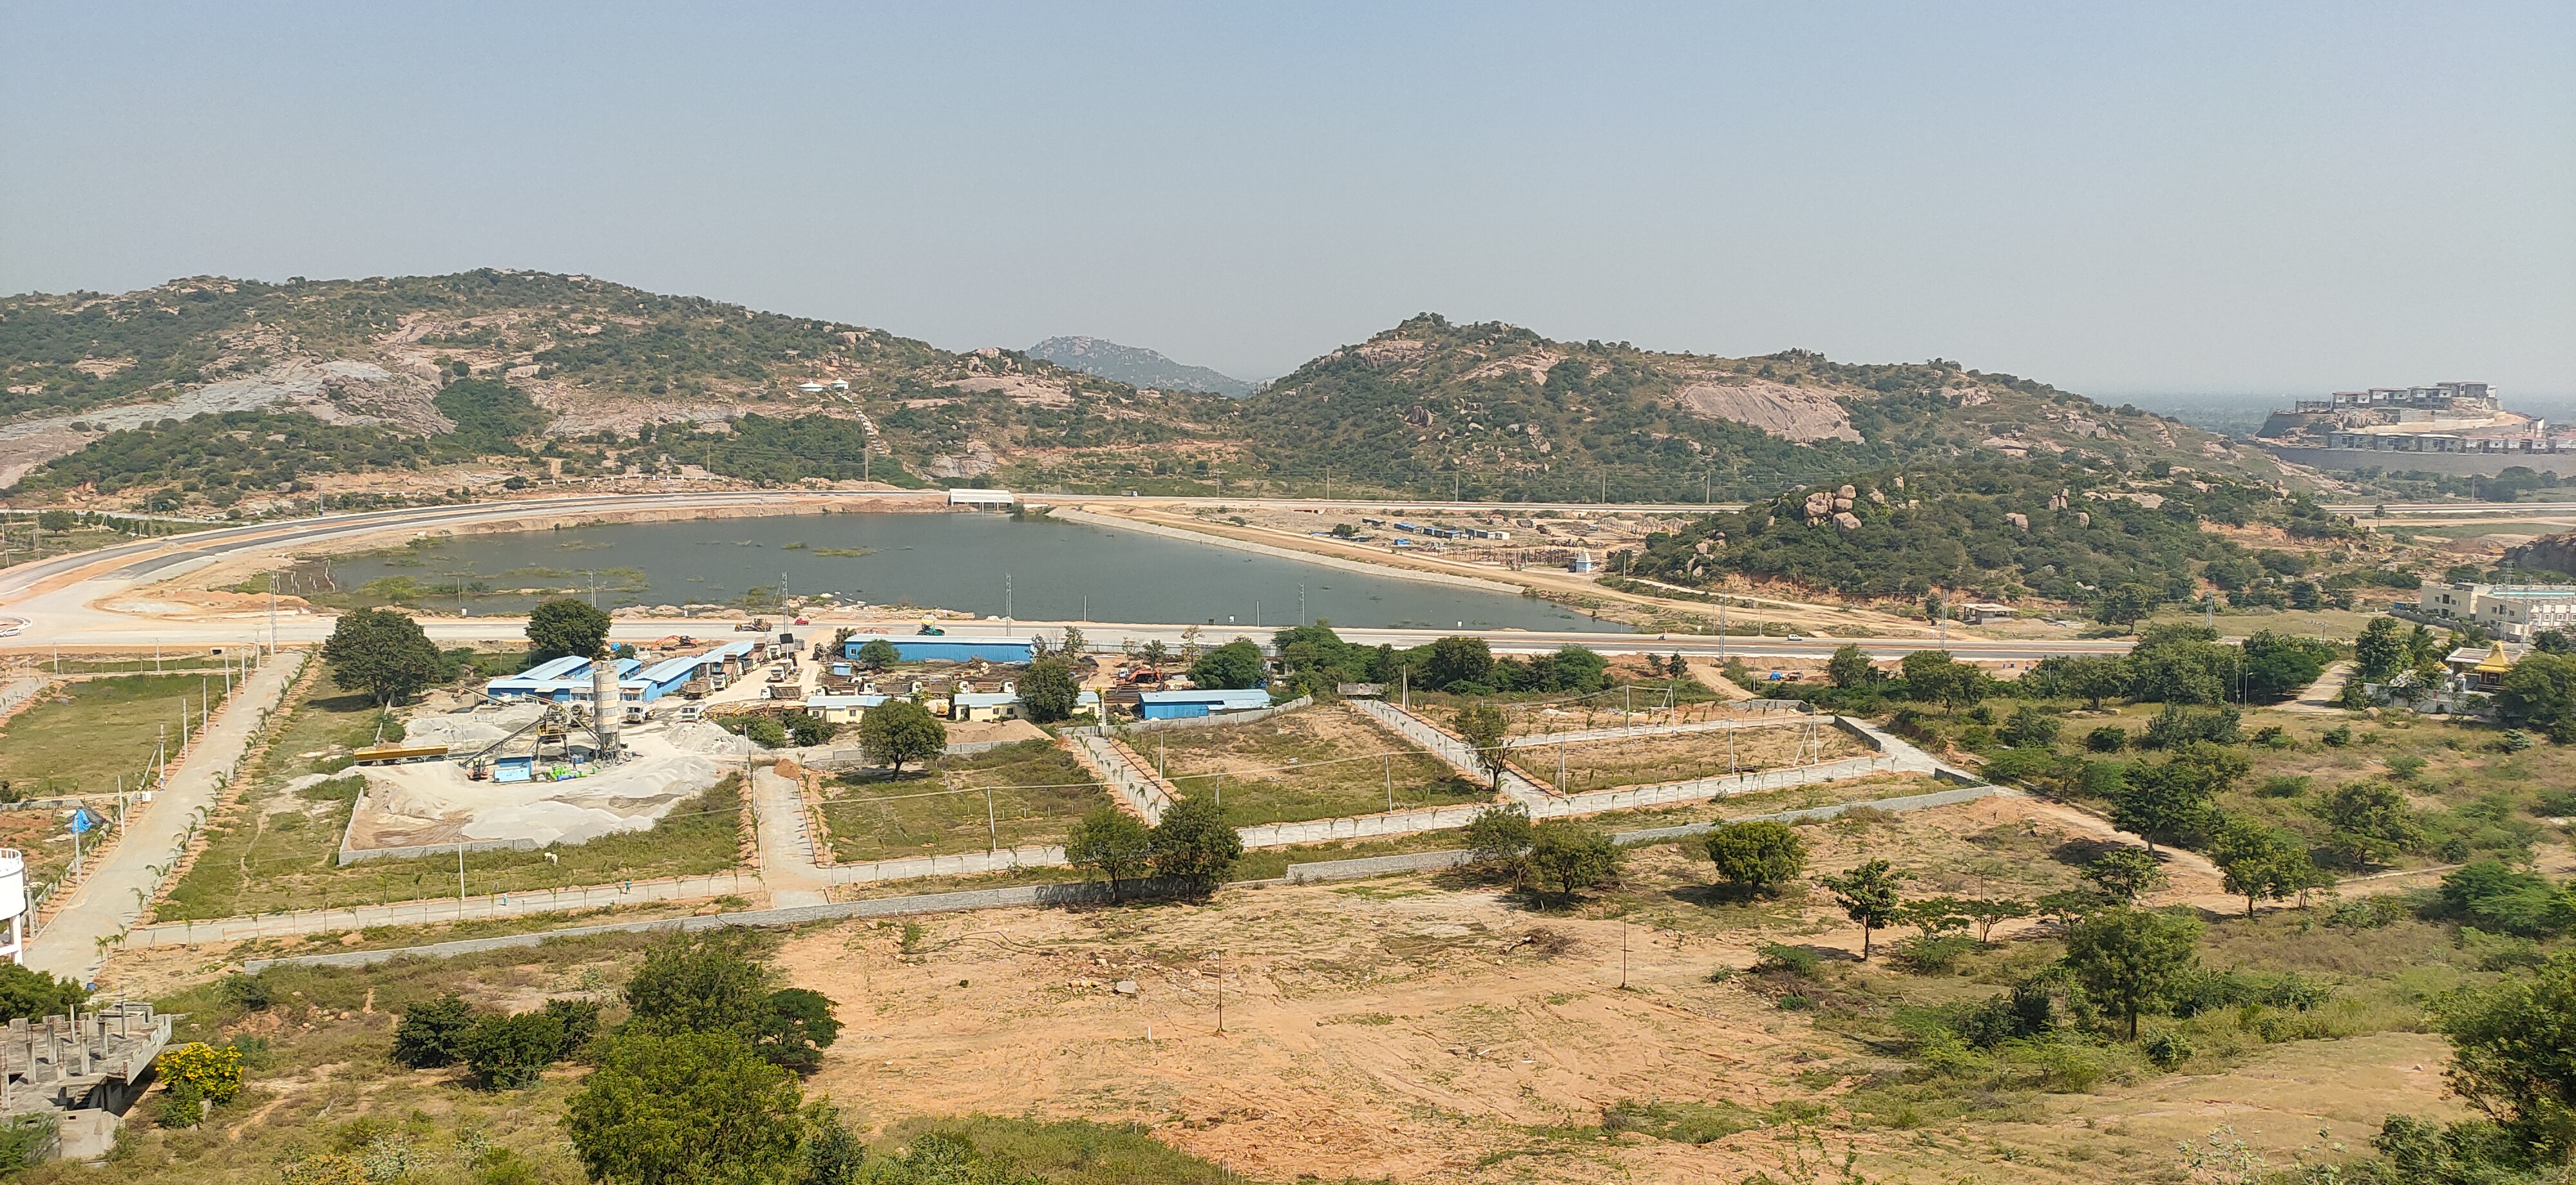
(1926, 529)
(700, 1082)
(501, 1050)
(1191, 845)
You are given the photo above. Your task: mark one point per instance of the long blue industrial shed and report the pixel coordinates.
(933, 648)
(1182, 705)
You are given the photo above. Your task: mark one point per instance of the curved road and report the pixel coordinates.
(47, 603)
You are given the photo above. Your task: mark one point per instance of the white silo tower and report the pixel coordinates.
(13, 902)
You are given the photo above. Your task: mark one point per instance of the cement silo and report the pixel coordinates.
(13, 902)
(606, 709)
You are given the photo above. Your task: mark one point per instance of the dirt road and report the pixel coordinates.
(787, 864)
(112, 898)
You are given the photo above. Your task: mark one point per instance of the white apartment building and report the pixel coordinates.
(2516, 611)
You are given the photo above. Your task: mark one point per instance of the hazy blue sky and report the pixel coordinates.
(2232, 197)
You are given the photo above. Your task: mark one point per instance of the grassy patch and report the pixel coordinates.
(1068, 1151)
(1678, 757)
(1321, 763)
(109, 729)
(396, 937)
(700, 835)
(1038, 794)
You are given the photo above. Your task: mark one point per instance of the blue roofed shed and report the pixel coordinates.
(934, 648)
(1176, 705)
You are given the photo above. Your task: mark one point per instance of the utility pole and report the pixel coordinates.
(1008, 616)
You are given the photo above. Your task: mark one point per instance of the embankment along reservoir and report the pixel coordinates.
(1032, 570)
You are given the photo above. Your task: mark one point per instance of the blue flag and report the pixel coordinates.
(80, 820)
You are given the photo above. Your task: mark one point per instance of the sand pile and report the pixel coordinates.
(454, 729)
(698, 736)
(434, 802)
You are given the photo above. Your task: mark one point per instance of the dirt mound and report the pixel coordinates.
(698, 736)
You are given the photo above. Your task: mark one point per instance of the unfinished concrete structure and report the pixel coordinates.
(84, 1071)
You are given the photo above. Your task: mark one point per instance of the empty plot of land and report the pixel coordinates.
(1641, 707)
(1654, 759)
(1323, 762)
(1038, 794)
(86, 735)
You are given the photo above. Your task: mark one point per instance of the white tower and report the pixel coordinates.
(13, 902)
(606, 709)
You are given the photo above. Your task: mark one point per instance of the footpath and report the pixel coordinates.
(74, 943)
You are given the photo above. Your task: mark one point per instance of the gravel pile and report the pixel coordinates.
(698, 736)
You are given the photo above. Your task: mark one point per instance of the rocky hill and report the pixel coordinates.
(211, 390)
(1134, 366)
(1499, 410)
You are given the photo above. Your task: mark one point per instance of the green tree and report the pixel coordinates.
(1193, 844)
(686, 1108)
(1050, 690)
(511, 1052)
(2540, 691)
(2259, 862)
(1932, 676)
(795, 1026)
(2125, 605)
(1566, 857)
(1984, 912)
(1112, 843)
(1499, 836)
(899, 731)
(2031, 727)
(1233, 666)
(2089, 677)
(1869, 895)
(2277, 665)
(564, 626)
(430, 1034)
(35, 994)
(2176, 798)
(832, 1155)
(1483, 727)
(2126, 873)
(1850, 667)
(381, 653)
(698, 982)
(1459, 660)
(2132, 960)
(1935, 916)
(2513, 1054)
(877, 654)
(1761, 855)
(2368, 822)
(2380, 652)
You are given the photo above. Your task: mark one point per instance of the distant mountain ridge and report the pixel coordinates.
(1135, 366)
(213, 394)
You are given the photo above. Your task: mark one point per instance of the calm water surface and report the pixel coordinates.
(980, 563)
